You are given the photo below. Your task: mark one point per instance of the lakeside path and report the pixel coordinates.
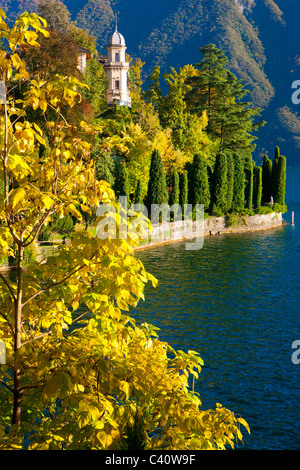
(174, 232)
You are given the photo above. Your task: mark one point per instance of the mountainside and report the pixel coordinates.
(260, 39)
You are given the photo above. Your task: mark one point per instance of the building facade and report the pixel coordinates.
(116, 69)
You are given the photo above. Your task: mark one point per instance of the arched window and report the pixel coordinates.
(117, 57)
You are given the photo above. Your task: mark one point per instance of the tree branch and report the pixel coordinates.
(5, 385)
(8, 286)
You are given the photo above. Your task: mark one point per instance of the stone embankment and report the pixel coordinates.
(180, 230)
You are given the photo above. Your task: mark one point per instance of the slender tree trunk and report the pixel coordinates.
(16, 418)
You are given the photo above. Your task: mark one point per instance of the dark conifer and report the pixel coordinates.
(248, 182)
(275, 172)
(200, 183)
(157, 189)
(121, 186)
(219, 195)
(183, 190)
(230, 180)
(238, 199)
(266, 180)
(174, 194)
(257, 186)
(280, 181)
(138, 197)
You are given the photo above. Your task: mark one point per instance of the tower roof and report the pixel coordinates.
(116, 39)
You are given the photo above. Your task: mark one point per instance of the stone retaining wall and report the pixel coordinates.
(180, 230)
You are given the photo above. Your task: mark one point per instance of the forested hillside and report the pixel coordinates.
(259, 38)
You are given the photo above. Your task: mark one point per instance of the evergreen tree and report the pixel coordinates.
(257, 186)
(121, 186)
(200, 184)
(174, 194)
(219, 92)
(266, 180)
(277, 153)
(138, 197)
(248, 167)
(275, 172)
(219, 194)
(238, 199)
(280, 181)
(183, 190)
(104, 167)
(157, 189)
(230, 180)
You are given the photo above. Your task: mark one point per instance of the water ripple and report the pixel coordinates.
(236, 301)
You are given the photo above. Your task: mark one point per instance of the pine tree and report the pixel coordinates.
(200, 184)
(238, 200)
(219, 194)
(266, 180)
(257, 186)
(157, 189)
(219, 92)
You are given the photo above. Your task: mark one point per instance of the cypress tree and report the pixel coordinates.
(238, 199)
(266, 180)
(174, 195)
(257, 186)
(121, 185)
(280, 181)
(183, 190)
(219, 195)
(200, 184)
(230, 180)
(157, 189)
(275, 172)
(249, 182)
(138, 198)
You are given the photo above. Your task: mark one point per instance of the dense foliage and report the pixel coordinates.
(79, 372)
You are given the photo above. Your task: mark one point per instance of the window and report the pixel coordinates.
(117, 57)
(117, 83)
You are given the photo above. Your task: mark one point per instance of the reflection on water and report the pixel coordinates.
(236, 302)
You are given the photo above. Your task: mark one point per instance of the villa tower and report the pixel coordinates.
(116, 69)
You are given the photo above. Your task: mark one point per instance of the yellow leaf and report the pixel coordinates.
(72, 209)
(47, 201)
(16, 195)
(85, 208)
(125, 387)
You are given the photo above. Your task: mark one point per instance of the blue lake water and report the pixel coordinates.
(237, 302)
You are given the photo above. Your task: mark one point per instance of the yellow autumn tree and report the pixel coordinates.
(79, 372)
